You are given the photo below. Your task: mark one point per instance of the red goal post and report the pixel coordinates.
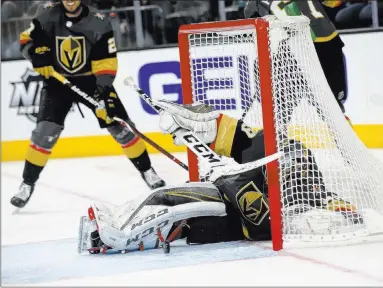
(262, 27)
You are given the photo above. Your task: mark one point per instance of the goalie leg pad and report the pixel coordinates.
(160, 210)
(188, 193)
(169, 196)
(149, 219)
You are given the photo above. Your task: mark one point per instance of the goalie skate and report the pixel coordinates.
(85, 239)
(84, 235)
(88, 236)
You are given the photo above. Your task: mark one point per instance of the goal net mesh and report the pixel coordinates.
(225, 74)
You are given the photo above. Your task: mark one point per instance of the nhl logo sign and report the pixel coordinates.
(26, 94)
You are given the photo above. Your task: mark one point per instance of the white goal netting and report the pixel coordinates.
(225, 73)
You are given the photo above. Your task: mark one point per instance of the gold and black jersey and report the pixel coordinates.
(81, 46)
(237, 140)
(322, 28)
(246, 191)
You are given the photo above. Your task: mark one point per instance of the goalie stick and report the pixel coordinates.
(128, 122)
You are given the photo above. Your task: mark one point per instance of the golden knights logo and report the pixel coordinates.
(26, 94)
(70, 52)
(252, 204)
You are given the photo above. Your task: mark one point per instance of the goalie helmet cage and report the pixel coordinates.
(266, 72)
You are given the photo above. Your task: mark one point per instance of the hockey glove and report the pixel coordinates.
(41, 58)
(200, 119)
(106, 98)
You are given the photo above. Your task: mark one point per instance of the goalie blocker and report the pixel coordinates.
(233, 206)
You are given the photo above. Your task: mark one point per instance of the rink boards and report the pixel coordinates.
(157, 72)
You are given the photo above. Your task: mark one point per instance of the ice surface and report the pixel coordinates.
(39, 246)
(52, 260)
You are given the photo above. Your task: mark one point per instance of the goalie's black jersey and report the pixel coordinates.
(247, 191)
(237, 140)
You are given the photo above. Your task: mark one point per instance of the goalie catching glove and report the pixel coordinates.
(198, 118)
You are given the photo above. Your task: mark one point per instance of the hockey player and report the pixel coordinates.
(77, 42)
(232, 206)
(327, 42)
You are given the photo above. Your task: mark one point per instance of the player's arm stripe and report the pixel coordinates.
(332, 3)
(225, 135)
(105, 66)
(25, 37)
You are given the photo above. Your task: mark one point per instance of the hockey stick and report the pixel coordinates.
(199, 148)
(152, 143)
(128, 123)
(240, 168)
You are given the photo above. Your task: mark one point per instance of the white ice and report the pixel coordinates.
(39, 243)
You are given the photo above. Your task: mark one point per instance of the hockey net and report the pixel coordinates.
(266, 72)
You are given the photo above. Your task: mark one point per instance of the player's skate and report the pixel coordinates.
(22, 197)
(152, 179)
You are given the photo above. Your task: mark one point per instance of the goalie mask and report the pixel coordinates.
(300, 176)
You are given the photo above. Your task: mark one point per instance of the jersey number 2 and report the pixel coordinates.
(112, 45)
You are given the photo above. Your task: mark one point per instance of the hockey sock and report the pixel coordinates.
(35, 162)
(140, 160)
(134, 148)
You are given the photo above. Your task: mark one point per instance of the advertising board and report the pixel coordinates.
(157, 72)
